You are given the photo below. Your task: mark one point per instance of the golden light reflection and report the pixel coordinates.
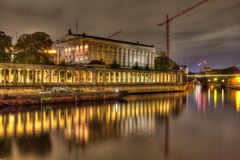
(215, 98)
(237, 99)
(137, 115)
(222, 97)
(209, 96)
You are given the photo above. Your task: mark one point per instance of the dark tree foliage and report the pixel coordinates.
(30, 48)
(32, 57)
(114, 64)
(230, 70)
(5, 47)
(164, 63)
(97, 62)
(147, 67)
(38, 41)
(136, 66)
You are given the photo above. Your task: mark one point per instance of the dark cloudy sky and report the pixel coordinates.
(210, 32)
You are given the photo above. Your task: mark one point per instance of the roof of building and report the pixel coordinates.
(83, 35)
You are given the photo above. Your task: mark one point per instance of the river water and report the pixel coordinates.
(202, 124)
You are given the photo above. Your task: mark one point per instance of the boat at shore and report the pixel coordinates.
(48, 97)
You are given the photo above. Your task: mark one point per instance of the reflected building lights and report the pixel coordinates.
(237, 99)
(209, 96)
(79, 124)
(222, 97)
(215, 97)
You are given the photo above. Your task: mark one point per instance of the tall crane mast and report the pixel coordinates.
(114, 34)
(169, 19)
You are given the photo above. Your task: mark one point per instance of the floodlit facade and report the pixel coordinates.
(82, 49)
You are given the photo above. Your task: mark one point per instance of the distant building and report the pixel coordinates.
(208, 70)
(229, 70)
(82, 49)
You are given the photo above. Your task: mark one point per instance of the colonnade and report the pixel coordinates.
(128, 56)
(40, 75)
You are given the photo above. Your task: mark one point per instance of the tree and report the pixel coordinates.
(30, 48)
(147, 67)
(164, 63)
(32, 57)
(114, 64)
(136, 66)
(230, 70)
(5, 47)
(99, 62)
(38, 41)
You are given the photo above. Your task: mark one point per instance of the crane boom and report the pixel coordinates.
(183, 12)
(114, 34)
(169, 19)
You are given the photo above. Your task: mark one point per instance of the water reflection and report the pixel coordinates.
(215, 96)
(35, 132)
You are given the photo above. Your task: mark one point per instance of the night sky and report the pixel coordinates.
(210, 32)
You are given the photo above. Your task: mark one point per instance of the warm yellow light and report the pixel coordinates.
(215, 98)
(51, 51)
(237, 99)
(215, 79)
(223, 80)
(209, 80)
(238, 79)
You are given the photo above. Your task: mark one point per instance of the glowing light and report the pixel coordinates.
(223, 80)
(238, 79)
(215, 98)
(237, 99)
(209, 80)
(52, 51)
(222, 96)
(209, 96)
(215, 79)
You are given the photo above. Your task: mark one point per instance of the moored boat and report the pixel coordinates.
(50, 97)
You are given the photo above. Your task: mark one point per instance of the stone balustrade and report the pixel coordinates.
(30, 75)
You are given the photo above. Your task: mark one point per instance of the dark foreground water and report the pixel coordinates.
(200, 125)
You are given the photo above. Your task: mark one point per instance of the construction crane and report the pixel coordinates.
(114, 34)
(169, 19)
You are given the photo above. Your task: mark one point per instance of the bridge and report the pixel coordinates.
(212, 75)
(229, 80)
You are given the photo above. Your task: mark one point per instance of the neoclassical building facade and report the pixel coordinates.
(82, 49)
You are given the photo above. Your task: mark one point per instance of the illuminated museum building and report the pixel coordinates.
(82, 49)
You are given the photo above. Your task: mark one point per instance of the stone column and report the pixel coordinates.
(27, 76)
(36, 76)
(4, 77)
(126, 58)
(94, 77)
(42, 76)
(65, 76)
(1, 75)
(10, 76)
(58, 76)
(50, 75)
(104, 78)
(121, 57)
(14, 76)
(140, 59)
(33, 76)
